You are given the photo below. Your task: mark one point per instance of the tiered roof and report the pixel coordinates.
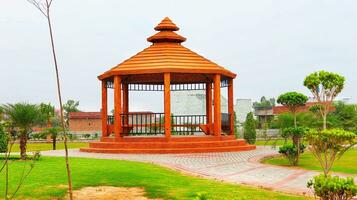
(166, 54)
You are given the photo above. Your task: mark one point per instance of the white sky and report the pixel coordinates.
(271, 44)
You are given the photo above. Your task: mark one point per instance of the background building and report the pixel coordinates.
(242, 108)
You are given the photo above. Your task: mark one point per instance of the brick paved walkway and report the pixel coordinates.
(237, 167)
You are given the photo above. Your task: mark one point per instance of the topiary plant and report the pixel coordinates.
(332, 188)
(291, 153)
(329, 145)
(250, 133)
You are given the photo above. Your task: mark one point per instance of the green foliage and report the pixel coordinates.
(344, 116)
(325, 86)
(249, 129)
(325, 81)
(298, 132)
(201, 196)
(332, 188)
(3, 139)
(292, 100)
(291, 153)
(329, 145)
(235, 123)
(305, 119)
(22, 115)
(70, 106)
(47, 111)
(264, 103)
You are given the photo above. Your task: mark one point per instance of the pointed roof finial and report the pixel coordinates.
(166, 25)
(166, 34)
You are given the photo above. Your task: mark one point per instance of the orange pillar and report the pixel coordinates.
(209, 106)
(231, 105)
(104, 109)
(117, 107)
(217, 104)
(126, 103)
(167, 105)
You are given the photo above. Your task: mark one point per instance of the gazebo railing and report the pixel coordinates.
(153, 124)
(187, 124)
(143, 123)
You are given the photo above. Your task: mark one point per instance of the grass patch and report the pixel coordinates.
(346, 164)
(278, 142)
(48, 180)
(48, 146)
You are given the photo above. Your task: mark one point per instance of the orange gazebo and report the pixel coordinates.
(167, 66)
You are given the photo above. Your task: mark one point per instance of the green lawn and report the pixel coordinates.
(48, 180)
(279, 142)
(347, 163)
(48, 146)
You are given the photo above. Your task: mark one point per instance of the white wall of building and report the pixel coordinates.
(242, 107)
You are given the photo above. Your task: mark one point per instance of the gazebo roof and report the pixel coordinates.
(166, 54)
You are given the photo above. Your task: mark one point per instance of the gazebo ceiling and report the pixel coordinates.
(166, 54)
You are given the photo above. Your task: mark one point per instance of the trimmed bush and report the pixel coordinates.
(291, 153)
(333, 188)
(250, 134)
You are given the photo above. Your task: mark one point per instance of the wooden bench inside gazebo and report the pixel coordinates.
(167, 66)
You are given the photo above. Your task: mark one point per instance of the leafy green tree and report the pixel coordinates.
(292, 101)
(344, 116)
(249, 129)
(325, 86)
(23, 116)
(264, 103)
(329, 145)
(47, 113)
(70, 106)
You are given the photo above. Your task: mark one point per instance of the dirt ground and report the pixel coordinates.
(110, 193)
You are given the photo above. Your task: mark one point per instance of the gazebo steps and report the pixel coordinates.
(148, 145)
(172, 139)
(160, 145)
(171, 150)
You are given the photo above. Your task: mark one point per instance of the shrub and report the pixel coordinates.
(250, 134)
(3, 140)
(291, 153)
(296, 134)
(201, 196)
(329, 145)
(331, 188)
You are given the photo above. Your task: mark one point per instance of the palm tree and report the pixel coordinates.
(53, 132)
(23, 116)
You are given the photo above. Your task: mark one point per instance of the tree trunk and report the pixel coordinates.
(324, 120)
(69, 177)
(23, 142)
(295, 123)
(54, 143)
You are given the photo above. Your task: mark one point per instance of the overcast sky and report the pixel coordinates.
(271, 45)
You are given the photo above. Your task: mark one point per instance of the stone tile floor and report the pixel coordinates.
(235, 167)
